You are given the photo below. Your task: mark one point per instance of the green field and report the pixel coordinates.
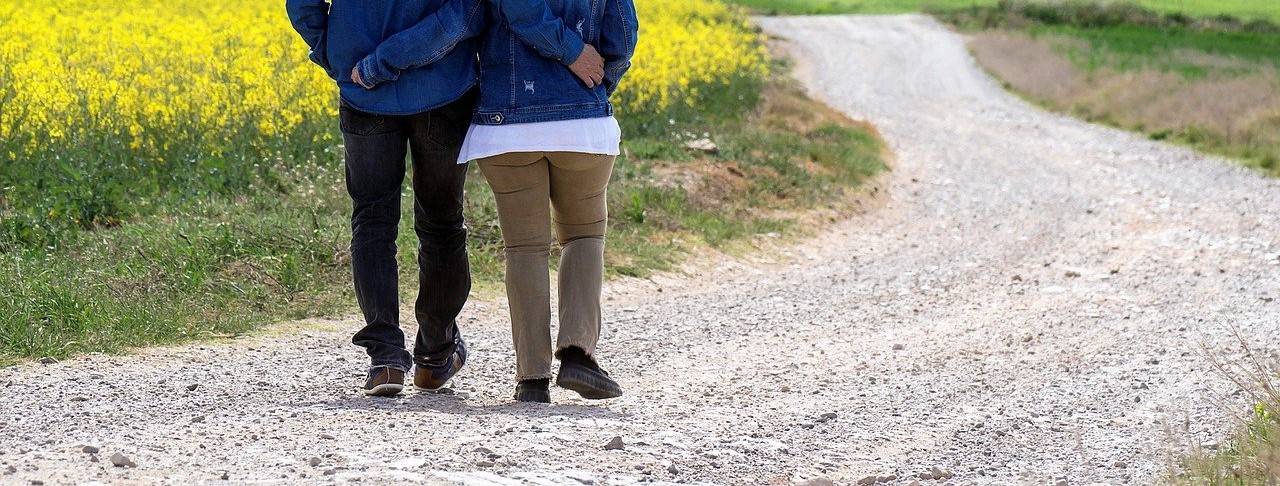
(1244, 9)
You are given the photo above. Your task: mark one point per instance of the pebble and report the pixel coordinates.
(10, 469)
(314, 461)
(120, 460)
(673, 469)
(197, 419)
(1120, 465)
(1061, 481)
(819, 482)
(89, 449)
(614, 444)
(899, 347)
(484, 463)
(193, 386)
(826, 417)
(327, 436)
(48, 360)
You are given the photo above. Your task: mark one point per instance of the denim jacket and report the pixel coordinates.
(523, 77)
(421, 54)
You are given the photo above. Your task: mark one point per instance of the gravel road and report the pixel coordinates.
(1029, 301)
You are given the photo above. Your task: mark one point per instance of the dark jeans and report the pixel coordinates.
(375, 159)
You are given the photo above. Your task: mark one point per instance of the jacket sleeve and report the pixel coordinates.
(426, 42)
(311, 19)
(618, 34)
(536, 25)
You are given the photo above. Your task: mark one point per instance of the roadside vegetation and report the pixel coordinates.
(141, 205)
(1211, 83)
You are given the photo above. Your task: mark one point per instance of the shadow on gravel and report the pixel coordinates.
(453, 404)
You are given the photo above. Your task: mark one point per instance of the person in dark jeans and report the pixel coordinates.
(416, 104)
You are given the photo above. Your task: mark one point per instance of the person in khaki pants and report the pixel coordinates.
(574, 183)
(545, 138)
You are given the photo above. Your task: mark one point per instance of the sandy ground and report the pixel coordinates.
(1028, 304)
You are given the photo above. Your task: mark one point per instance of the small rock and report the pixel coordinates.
(197, 419)
(899, 347)
(484, 463)
(1120, 465)
(93, 458)
(37, 482)
(819, 482)
(1060, 481)
(1210, 445)
(79, 398)
(484, 451)
(1016, 278)
(784, 389)
(327, 436)
(314, 461)
(913, 483)
(89, 449)
(872, 479)
(225, 476)
(330, 472)
(48, 360)
(826, 417)
(887, 478)
(940, 473)
(120, 460)
(1072, 274)
(673, 469)
(193, 386)
(95, 376)
(702, 145)
(10, 469)
(614, 444)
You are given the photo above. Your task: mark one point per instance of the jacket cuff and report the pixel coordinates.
(573, 47)
(372, 72)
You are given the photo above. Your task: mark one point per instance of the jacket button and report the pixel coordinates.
(497, 118)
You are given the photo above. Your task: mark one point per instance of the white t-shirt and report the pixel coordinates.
(587, 135)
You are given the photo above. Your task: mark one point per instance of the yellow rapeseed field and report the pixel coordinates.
(107, 102)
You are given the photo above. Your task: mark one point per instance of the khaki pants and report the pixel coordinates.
(574, 184)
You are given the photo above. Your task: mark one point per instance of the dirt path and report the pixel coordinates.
(1026, 307)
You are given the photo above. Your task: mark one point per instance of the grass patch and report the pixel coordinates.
(1209, 83)
(1252, 456)
(215, 266)
(1238, 11)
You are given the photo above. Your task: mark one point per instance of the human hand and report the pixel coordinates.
(589, 66)
(355, 77)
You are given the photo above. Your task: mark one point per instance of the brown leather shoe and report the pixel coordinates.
(431, 378)
(384, 381)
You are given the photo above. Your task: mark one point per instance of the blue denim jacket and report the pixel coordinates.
(421, 54)
(523, 77)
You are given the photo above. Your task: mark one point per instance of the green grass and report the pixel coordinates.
(210, 264)
(1241, 9)
(1128, 48)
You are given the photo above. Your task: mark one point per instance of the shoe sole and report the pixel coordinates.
(534, 397)
(384, 390)
(587, 388)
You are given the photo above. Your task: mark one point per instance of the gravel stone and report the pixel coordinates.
(615, 444)
(120, 460)
(89, 449)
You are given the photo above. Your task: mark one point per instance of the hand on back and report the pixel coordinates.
(589, 66)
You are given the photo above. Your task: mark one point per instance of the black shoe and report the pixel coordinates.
(538, 390)
(580, 373)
